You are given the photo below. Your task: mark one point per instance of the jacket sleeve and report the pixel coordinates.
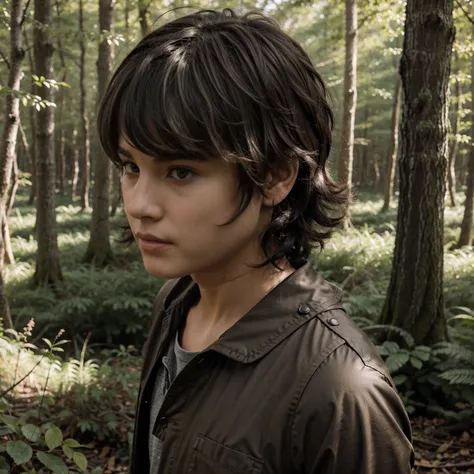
(350, 420)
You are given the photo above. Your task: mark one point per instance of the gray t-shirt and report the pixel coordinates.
(171, 365)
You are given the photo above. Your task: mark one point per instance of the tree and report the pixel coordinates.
(62, 93)
(99, 250)
(85, 167)
(10, 132)
(48, 267)
(346, 152)
(393, 147)
(144, 16)
(32, 118)
(465, 237)
(415, 296)
(455, 144)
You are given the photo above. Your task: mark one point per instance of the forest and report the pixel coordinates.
(75, 303)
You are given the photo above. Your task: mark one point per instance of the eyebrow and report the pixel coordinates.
(128, 154)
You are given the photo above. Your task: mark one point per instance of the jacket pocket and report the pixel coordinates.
(211, 457)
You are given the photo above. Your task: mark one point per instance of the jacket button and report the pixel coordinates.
(163, 422)
(303, 309)
(334, 322)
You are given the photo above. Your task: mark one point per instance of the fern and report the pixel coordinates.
(407, 337)
(459, 376)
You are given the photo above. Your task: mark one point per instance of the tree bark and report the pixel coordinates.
(144, 16)
(465, 237)
(364, 156)
(99, 250)
(14, 187)
(75, 164)
(346, 152)
(62, 93)
(393, 147)
(48, 267)
(32, 118)
(415, 299)
(10, 132)
(455, 143)
(85, 163)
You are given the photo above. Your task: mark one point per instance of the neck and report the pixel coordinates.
(229, 295)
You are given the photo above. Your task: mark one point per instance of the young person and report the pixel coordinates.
(222, 129)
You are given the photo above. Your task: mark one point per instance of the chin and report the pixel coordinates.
(163, 271)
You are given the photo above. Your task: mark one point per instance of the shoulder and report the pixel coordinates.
(347, 404)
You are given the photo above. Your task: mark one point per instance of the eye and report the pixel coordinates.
(181, 174)
(129, 167)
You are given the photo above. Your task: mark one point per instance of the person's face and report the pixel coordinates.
(183, 202)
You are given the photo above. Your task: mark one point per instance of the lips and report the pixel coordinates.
(151, 238)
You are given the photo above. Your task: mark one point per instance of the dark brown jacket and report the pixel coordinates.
(294, 387)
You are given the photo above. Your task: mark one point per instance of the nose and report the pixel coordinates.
(142, 200)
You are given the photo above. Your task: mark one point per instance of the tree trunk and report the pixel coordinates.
(99, 250)
(14, 187)
(75, 164)
(48, 267)
(455, 144)
(393, 147)
(346, 152)
(144, 16)
(32, 118)
(465, 238)
(85, 163)
(364, 158)
(62, 93)
(27, 151)
(10, 132)
(415, 299)
(117, 191)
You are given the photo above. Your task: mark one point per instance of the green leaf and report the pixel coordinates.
(48, 342)
(397, 361)
(399, 379)
(19, 451)
(53, 437)
(81, 461)
(72, 443)
(6, 430)
(31, 432)
(52, 462)
(415, 362)
(69, 452)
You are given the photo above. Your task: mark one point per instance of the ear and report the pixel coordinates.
(280, 183)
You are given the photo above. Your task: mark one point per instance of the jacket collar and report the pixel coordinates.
(297, 299)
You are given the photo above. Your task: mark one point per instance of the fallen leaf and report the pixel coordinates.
(443, 448)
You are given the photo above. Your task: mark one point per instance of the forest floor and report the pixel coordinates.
(441, 447)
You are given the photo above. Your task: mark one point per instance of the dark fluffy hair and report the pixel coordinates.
(218, 84)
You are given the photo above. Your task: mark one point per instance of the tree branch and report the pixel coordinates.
(5, 59)
(23, 17)
(465, 12)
